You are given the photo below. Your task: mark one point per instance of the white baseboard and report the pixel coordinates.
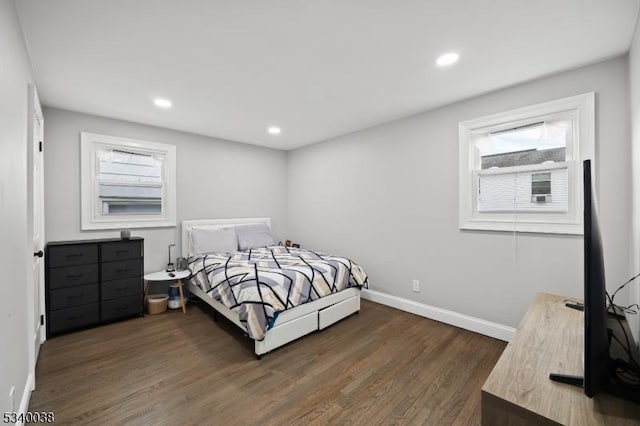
(26, 396)
(477, 325)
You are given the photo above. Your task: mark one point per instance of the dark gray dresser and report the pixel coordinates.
(92, 282)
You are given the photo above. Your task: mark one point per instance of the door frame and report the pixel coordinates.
(35, 154)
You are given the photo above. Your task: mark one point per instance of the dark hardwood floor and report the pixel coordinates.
(381, 366)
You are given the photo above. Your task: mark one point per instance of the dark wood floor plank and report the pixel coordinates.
(381, 366)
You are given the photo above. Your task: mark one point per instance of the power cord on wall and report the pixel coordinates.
(629, 309)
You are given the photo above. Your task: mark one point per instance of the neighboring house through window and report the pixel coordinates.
(127, 183)
(519, 170)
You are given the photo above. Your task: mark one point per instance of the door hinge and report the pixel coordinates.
(41, 319)
(40, 146)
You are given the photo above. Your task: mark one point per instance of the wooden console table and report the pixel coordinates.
(550, 339)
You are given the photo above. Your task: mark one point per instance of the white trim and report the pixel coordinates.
(26, 397)
(215, 224)
(477, 325)
(581, 110)
(88, 143)
(523, 169)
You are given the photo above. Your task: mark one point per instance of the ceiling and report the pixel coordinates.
(317, 69)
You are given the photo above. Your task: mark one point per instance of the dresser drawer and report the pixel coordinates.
(76, 254)
(73, 296)
(121, 288)
(121, 250)
(119, 308)
(68, 319)
(122, 269)
(72, 275)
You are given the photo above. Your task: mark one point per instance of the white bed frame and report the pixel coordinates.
(290, 324)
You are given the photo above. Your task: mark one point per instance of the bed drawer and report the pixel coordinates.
(73, 296)
(287, 332)
(335, 313)
(68, 319)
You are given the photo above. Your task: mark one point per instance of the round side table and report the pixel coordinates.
(164, 276)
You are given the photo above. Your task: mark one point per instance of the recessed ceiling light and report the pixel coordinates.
(274, 130)
(447, 59)
(162, 103)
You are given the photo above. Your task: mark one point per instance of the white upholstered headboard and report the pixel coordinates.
(215, 224)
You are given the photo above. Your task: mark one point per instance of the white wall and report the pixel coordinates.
(634, 74)
(216, 179)
(388, 197)
(15, 253)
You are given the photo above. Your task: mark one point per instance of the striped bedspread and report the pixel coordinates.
(260, 283)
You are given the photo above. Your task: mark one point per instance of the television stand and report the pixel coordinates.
(518, 391)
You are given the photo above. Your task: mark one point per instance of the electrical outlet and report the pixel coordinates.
(12, 399)
(416, 286)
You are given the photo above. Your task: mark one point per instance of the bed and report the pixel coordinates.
(274, 294)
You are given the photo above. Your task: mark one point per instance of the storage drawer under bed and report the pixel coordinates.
(287, 332)
(334, 313)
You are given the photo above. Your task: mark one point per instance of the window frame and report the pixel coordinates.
(581, 109)
(90, 219)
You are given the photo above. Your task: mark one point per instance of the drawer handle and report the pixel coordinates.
(77, 317)
(122, 251)
(71, 277)
(122, 288)
(80, 296)
(69, 256)
(122, 308)
(122, 271)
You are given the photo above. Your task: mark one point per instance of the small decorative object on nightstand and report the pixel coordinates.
(168, 276)
(170, 267)
(182, 264)
(125, 234)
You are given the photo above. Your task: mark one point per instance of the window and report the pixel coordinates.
(126, 183)
(520, 170)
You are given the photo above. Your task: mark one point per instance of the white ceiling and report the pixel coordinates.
(317, 69)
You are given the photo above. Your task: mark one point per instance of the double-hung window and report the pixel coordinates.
(126, 183)
(520, 170)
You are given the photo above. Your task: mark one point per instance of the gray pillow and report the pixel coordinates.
(253, 236)
(203, 240)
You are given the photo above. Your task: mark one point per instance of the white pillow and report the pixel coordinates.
(203, 240)
(253, 236)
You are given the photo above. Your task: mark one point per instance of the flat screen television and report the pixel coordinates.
(599, 370)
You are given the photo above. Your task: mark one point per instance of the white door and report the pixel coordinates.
(36, 160)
